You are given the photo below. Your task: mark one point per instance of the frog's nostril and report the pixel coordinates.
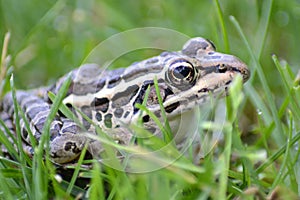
(221, 68)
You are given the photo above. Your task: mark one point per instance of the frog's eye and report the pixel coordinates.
(181, 73)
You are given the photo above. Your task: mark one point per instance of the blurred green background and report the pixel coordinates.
(49, 38)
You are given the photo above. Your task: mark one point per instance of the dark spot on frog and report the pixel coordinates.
(146, 118)
(126, 114)
(98, 117)
(24, 133)
(107, 120)
(172, 107)
(70, 106)
(114, 81)
(72, 146)
(122, 98)
(68, 146)
(100, 104)
(88, 112)
(157, 113)
(203, 90)
(118, 112)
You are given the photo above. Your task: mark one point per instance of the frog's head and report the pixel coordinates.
(199, 66)
(189, 78)
(197, 73)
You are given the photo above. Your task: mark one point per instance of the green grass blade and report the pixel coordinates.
(97, 190)
(263, 26)
(168, 133)
(276, 155)
(66, 111)
(40, 177)
(222, 23)
(288, 86)
(286, 157)
(6, 142)
(77, 169)
(5, 189)
(232, 104)
(22, 154)
(279, 129)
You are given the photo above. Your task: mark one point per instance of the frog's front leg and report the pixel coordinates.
(66, 142)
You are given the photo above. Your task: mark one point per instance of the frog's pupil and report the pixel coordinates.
(182, 71)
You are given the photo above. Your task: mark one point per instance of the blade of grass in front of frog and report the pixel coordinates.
(22, 156)
(157, 142)
(138, 128)
(140, 121)
(77, 168)
(33, 142)
(76, 190)
(66, 111)
(97, 190)
(152, 116)
(168, 132)
(11, 176)
(39, 176)
(5, 141)
(53, 111)
(57, 104)
(233, 102)
(6, 188)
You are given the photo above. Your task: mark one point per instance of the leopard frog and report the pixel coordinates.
(186, 79)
